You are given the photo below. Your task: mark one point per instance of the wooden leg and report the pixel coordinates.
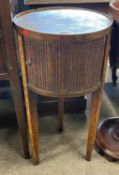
(28, 103)
(61, 113)
(34, 123)
(93, 120)
(20, 113)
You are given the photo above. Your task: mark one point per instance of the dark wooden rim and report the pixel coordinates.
(66, 95)
(65, 2)
(44, 36)
(111, 4)
(51, 37)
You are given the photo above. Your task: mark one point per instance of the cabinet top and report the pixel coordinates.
(62, 21)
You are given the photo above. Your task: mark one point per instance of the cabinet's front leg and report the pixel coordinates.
(93, 120)
(28, 102)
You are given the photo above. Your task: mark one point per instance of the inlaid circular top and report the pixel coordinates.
(62, 21)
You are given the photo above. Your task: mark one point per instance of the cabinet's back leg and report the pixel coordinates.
(61, 113)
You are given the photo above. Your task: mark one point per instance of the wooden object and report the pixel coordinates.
(63, 54)
(107, 138)
(9, 69)
(31, 124)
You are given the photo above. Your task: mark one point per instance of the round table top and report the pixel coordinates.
(62, 21)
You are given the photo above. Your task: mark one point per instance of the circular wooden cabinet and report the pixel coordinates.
(63, 53)
(64, 49)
